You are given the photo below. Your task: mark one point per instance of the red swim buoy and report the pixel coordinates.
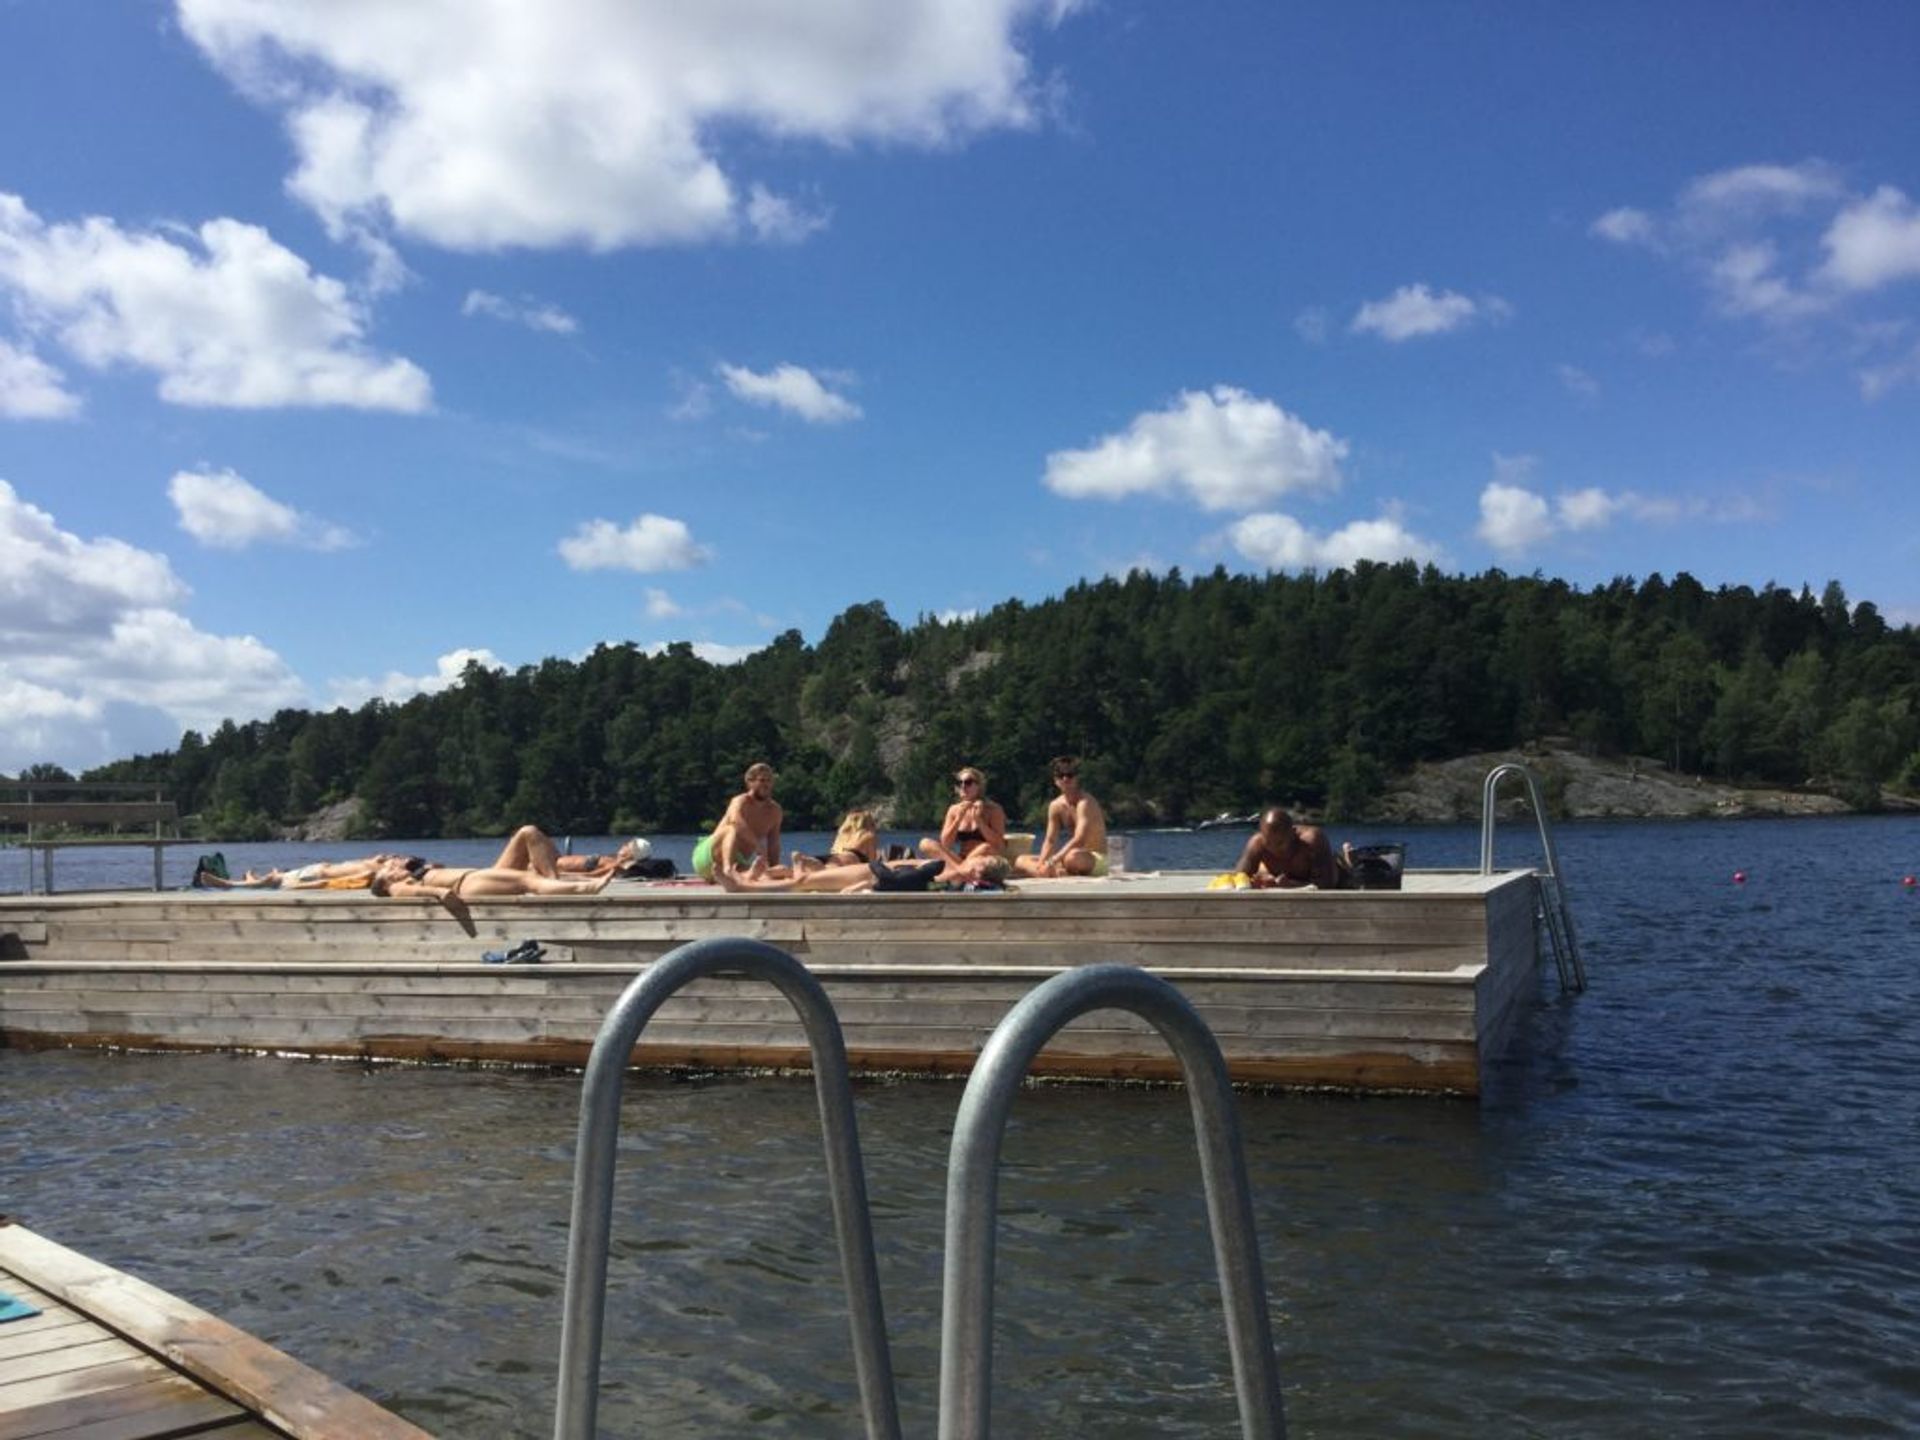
(1739, 877)
(1910, 882)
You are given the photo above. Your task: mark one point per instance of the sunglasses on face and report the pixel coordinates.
(969, 783)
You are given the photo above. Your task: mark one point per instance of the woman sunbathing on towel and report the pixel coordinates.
(442, 882)
(320, 875)
(983, 870)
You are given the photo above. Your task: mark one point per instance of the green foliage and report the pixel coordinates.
(1182, 697)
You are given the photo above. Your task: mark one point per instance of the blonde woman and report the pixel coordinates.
(856, 842)
(973, 823)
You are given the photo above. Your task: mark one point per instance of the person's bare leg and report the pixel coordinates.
(1076, 861)
(933, 850)
(529, 848)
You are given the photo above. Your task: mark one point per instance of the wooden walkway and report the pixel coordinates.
(110, 1357)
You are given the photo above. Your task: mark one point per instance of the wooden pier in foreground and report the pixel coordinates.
(110, 1357)
(1364, 990)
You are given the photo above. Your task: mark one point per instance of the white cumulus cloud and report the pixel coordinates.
(1625, 226)
(220, 509)
(395, 686)
(1516, 518)
(1280, 542)
(1873, 242)
(792, 388)
(223, 315)
(660, 605)
(482, 124)
(1512, 518)
(94, 660)
(31, 389)
(651, 543)
(534, 314)
(711, 651)
(1223, 448)
(1413, 311)
(1795, 249)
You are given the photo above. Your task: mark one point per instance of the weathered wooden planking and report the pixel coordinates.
(163, 1406)
(157, 1327)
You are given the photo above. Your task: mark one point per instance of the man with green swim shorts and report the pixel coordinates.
(1076, 838)
(751, 826)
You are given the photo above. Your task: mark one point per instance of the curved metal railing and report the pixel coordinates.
(1553, 892)
(577, 1404)
(973, 1174)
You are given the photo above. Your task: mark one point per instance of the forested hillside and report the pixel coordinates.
(1184, 697)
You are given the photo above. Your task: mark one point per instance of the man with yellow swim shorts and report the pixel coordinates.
(1076, 838)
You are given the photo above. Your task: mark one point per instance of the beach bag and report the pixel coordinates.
(1375, 867)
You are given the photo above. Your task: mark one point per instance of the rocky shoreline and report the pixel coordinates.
(1577, 786)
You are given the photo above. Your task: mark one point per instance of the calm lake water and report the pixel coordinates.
(1689, 1203)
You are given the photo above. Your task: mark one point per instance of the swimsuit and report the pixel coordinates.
(964, 840)
(1099, 863)
(703, 859)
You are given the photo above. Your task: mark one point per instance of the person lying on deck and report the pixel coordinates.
(1076, 838)
(442, 882)
(1285, 856)
(973, 824)
(980, 871)
(528, 848)
(531, 848)
(320, 875)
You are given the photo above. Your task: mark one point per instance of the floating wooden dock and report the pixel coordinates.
(110, 1357)
(1366, 990)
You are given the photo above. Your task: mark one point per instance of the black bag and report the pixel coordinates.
(654, 867)
(1375, 867)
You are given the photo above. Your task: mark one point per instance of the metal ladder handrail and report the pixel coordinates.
(584, 1307)
(966, 1320)
(1553, 892)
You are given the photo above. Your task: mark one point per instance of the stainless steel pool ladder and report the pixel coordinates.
(1550, 885)
(585, 1303)
(966, 1331)
(973, 1178)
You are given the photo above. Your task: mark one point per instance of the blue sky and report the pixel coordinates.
(339, 342)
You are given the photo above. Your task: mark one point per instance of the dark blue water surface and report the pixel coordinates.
(1689, 1203)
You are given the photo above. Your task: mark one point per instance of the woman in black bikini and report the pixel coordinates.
(973, 822)
(856, 843)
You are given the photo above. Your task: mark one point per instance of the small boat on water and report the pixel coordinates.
(1227, 819)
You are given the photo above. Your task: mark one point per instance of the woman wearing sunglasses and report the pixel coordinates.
(973, 823)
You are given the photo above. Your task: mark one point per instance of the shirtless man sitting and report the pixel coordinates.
(1076, 838)
(751, 826)
(1286, 856)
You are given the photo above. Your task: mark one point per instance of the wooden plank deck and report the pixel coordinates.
(110, 1357)
(1367, 990)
